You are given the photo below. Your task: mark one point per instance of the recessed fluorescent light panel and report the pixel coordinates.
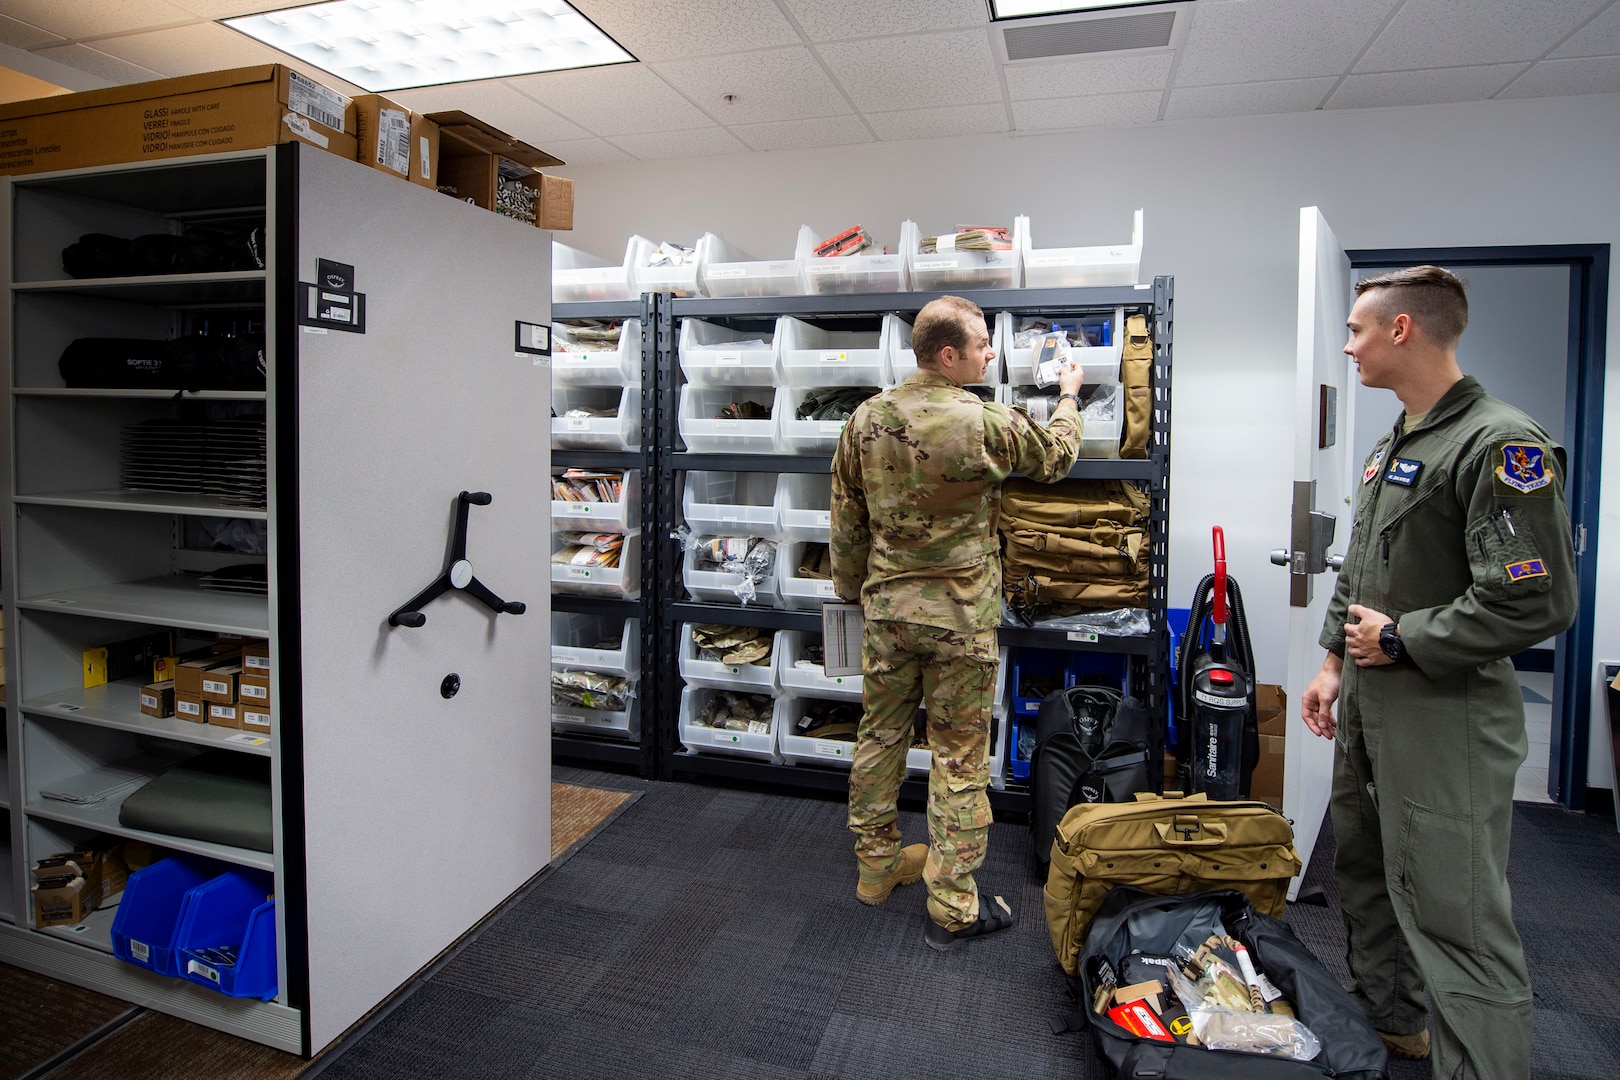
(394, 44)
(1023, 9)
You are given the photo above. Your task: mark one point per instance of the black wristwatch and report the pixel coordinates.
(1071, 397)
(1389, 639)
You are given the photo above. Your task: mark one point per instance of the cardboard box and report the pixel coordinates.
(253, 688)
(63, 901)
(395, 140)
(124, 659)
(189, 673)
(473, 154)
(255, 719)
(554, 203)
(219, 684)
(256, 657)
(241, 109)
(193, 709)
(1271, 706)
(71, 884)
(224, 715)
(1267, 783)
(157, 699)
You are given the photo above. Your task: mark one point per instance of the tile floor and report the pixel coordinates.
(1531, 783)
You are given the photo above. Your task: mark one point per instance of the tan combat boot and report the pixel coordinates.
(910, 869)
(1411, 1047)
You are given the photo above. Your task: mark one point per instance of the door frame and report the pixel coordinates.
(1583, 426)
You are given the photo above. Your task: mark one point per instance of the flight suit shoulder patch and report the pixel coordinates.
(1520, 468)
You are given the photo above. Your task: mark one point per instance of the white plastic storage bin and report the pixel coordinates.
(704, 433)
(622, 581)
(864, 273)
(729, 272)
(617, 725)
(811, 680)
(730, 504)
(618, 516)
(715, 355)
(579, 642)
(806, 749)
(800, 593)
(700, 739)
(579, 276)
(804, 506)
(621, 431)
(950, 269)
(572, 366)
(796, 436)
(1079, 267)
(903, 358)
(919, 761)
(719, 587)
(681, 280)
(1099, 364)
(812, 356)
(1100, 438)
(753, 678)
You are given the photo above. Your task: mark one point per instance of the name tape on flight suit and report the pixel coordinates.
(1403, 471)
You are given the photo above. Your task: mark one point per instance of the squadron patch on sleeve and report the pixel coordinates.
(1521, 469)
(1530, 568)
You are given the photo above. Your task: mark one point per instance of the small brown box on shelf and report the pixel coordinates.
(473, 156)
(253, 689)
(219, 683)
(255, 719)
(1271, 706)
(189, 708)
(256, 657)
(224, 715)
(157, 699)
(190, 672)
(397, 141)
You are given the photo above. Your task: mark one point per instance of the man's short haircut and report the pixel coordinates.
(940, 323)
(1436, 299)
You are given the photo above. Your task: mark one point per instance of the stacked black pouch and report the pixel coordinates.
(193, 251)
(1092, 745)
(188, 363)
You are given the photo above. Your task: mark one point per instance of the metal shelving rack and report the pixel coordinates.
(585, 749)
(1149, 654)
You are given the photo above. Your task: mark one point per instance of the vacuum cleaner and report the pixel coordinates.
(1219, 743)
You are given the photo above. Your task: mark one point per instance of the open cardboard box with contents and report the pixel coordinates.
(474, 157)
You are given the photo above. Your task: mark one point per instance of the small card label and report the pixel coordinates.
(831, 749)
(576, 508)
(194, 967)
(1049, 260)
(726, 425)
(934, 264)
(140, 950)
(823, 266)
(63, 706)
(257, 663)
(257, 693)
(730, 738)
(823, 517)
(731, 359)
(831, 427)
(578, 423)
(248, 740)
(1082, 635)
(578, 572)
(834, 358)
(727, 271)
(825, 588)
(149, 701)
(216, 686)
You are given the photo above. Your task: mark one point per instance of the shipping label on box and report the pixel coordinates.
(190, 708)
(256, 657)
(255, 719)
(253, 689)
(189, 674)
(393, 139)
(224, 715)
(219, 684)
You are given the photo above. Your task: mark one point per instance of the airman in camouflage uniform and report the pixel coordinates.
(915, 499)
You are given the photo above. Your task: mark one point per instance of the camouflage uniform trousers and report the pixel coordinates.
(954, 672)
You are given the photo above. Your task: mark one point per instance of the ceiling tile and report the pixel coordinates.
(704, 142)
(99, 64)
(803, 134)
(939, 123)
(587, 152)
(24, 35)
(1423, 87)
(1457, 33)
(1556, 78)
(498, 103)
(1073, 78)
(780, 84)
(75, 19)
(838, 20)
(1600, 37)
(955, 68)
(188, 50)
(623, 99)
(1097, 110)
(227, 9)
(1232, 41)
(671, 29)
(1247, 99)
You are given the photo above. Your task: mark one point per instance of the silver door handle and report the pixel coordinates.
(1335, 562)
(1280, 556)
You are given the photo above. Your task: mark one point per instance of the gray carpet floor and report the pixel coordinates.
(709, 932)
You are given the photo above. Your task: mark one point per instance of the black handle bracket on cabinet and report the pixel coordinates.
(458, 574)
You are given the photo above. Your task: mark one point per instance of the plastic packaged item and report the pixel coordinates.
(1223, 1027)
(1051, 354)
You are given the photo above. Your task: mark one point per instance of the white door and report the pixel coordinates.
(1321, 494)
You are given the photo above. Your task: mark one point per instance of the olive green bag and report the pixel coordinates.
(1166, 846)
(1136, 377)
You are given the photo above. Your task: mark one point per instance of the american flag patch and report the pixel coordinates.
(1528, 569)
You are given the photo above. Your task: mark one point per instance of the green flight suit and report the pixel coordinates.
(1462, 537)
(916, 494)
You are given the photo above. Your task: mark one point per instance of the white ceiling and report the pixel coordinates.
(816, 73)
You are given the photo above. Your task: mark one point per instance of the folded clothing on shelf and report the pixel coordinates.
(590, 690)
(732, 644)
(732, 711)
(220, 797)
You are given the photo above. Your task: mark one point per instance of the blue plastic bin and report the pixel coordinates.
(143, 930)
(233, 910)
(1064, 668)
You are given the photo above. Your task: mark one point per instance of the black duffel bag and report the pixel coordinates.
(198, 250)
(98, 255)
(188, 363)
(1132, 921)
(1092, 744)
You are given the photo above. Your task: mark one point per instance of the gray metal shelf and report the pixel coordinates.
(103, 817)
(214, 185)
(139, 395)
(239, 287)
(167, 601)
(768, 618)
(1085, 468)
(598, 309)
(1035, 301)
(146, 502)
(117, 706)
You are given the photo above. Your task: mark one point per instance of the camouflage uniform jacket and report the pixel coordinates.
(916, 494)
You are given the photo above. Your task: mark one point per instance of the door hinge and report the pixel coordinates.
(1580, 539)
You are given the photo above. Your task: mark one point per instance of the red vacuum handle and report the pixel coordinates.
(1220, 576)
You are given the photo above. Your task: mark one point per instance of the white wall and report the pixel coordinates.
(1222, 205)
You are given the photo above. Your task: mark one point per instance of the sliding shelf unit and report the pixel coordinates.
(573, 745)
(380, 786)
(1148, 654)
